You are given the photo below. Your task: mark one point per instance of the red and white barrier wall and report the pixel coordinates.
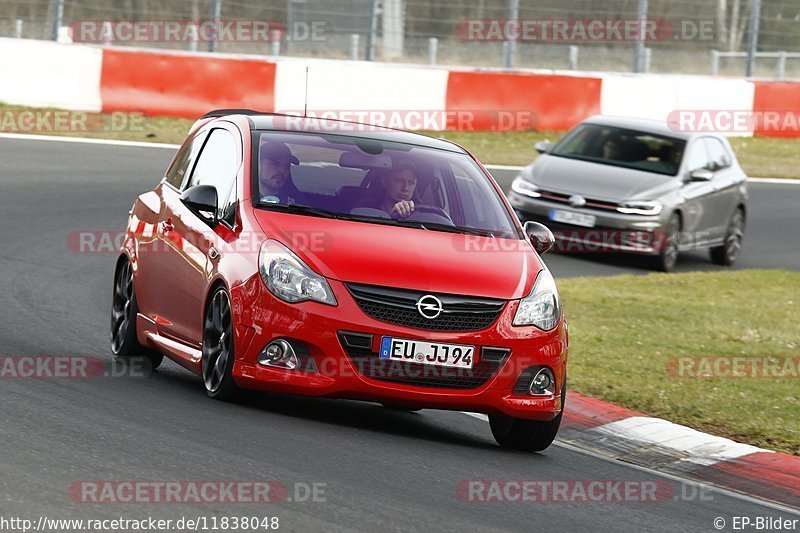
(183, 85)
(45, 74)
(157, 82)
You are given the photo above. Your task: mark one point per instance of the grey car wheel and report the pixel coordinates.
(666, 260)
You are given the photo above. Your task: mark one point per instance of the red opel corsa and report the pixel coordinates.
(328, 258)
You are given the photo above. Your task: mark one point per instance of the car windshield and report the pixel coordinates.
(621, 147)
(376, 181)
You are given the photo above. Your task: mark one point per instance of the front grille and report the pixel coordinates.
(561, 229)
(598, 238)
(371, 366)
(590, 202)
(399, 306)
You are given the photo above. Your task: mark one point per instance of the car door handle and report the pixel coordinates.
(167, 226)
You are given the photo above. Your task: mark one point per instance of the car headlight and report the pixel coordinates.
(640, 207)
(525, 188)
(542, 307)
(288, 278)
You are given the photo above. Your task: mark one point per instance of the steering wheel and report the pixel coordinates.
(420, 212)
(431, 209)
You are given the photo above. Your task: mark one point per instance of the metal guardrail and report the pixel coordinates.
(781, 56)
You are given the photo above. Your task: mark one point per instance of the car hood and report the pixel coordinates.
(593, 180)
(410, 258)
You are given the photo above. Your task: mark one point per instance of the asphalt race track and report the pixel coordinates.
(382, 470)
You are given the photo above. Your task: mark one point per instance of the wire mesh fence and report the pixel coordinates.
(433, 31)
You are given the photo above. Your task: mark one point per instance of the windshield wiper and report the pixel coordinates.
(435, 226)
(300, 209)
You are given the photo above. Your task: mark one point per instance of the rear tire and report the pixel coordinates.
(124, 310)
(667, 258)
(728, 253)
(526, 435)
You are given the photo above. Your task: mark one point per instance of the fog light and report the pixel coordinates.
(273, 352)
(279, 353)
(543, 383)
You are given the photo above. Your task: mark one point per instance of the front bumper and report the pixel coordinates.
(339, 372)
(613, 232)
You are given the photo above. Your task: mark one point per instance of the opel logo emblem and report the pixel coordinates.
(577, 201)
(429, 306)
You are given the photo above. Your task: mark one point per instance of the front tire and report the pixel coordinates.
(728, 253)
(526, 435)
(124, 310)
(218, 348)
(667, 258)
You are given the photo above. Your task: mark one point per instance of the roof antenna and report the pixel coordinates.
(305, 102)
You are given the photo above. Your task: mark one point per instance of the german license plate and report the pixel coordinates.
(427, 353)
(571, 217)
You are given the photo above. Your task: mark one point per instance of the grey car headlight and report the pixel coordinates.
(525, 188)
(542, 307)
(289, 278)
(640, 207)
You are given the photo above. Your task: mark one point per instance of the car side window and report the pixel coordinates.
(697, 156)
(217, 165)
(179, 170)
(717, 154)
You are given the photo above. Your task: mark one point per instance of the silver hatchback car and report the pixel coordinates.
(635, 185)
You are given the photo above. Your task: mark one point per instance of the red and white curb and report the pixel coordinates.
(661, 445)
(616, 433)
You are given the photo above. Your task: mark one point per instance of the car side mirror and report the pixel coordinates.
(202, 199)
(701, 174)
(542, 147)
(540, 236)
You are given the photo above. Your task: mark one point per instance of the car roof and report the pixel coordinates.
(298, 124)
(649, 125)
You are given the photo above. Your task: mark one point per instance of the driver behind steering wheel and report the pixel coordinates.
(399, 185)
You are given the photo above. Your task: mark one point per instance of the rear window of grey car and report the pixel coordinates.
(621, 147)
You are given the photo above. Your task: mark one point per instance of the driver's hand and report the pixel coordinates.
(403, 208)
